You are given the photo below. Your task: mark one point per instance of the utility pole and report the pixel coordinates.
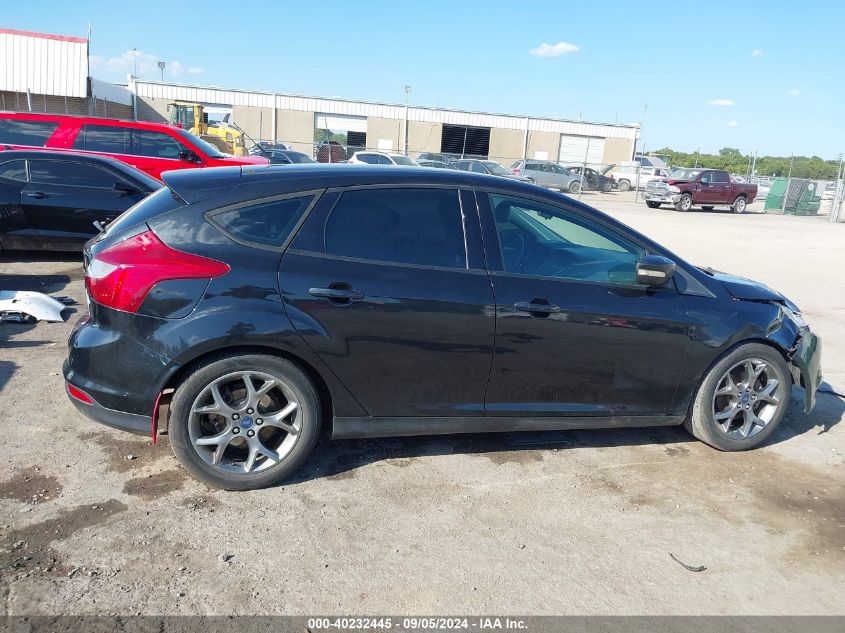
(161, 68)
(786, 191)
(407, 93)
(640, 166)
(135, 59)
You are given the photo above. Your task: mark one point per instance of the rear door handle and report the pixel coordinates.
(339, 295)
(535, 307)
(36, 194)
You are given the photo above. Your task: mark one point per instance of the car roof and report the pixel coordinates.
(37, 116)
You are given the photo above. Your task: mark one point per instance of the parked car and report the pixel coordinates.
(630, 174)
(438, 156)
(593, 180)
(548, 174)
(331, 152)
(707, 188)
(438, 164)
(252, 306)
(58, 200)
(286, 157)
(489, 167)
(151, 147)
(382, 158)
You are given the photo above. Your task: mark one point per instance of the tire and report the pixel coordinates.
(740, 205)
(624, 185)
(188, 427)
(707, 208)
(606, 187)
(685, 203)
(574, 187)
(703, 420)
(652, 205)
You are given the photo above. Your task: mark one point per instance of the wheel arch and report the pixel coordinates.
(185, 370)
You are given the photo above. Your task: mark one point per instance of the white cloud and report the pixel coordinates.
(554, 50)
(146, 63)
(756, 53)
(794, 92)
(724, 103)
(733, 123)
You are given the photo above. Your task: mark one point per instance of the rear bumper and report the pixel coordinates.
(807, 361)
(131, 422)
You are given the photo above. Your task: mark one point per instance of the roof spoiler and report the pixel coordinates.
(195, 185)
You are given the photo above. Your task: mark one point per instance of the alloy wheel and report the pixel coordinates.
(748, 396)
(245, 422)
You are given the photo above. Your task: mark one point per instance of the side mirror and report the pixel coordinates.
(654, 270)
(189, 156)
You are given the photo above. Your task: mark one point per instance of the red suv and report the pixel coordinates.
(151, 147)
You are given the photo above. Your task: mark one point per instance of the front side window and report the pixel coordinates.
(109, 139)
(157, 145)
(477, 168)
(13, 170)
(266, 224)
(707, 177)
(405, 226)
(61, 172)
(547, 241)
(20, 132)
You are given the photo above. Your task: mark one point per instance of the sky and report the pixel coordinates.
(757, 76)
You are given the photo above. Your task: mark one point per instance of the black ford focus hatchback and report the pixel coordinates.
(240, 309)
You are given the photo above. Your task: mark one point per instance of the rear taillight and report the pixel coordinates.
(121, 276)
(76, 392)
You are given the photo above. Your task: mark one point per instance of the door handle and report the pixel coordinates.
(341, 294)
(536, 307)
(36, 194)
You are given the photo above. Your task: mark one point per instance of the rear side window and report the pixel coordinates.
(721, 176)
(19, 132)
(109, 139)
(61, 172)
(406, 226)
(155, 204)
(263, 224)
(157, 145)
(13, 170)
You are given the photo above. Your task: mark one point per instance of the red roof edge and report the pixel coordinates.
(45, 36)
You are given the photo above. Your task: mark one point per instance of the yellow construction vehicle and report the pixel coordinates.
(192, 117)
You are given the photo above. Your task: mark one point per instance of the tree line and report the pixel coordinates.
(734, 161)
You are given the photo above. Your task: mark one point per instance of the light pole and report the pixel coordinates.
(161, 68)
(135, 60)
(407, 93)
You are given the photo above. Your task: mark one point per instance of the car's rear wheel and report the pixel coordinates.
(244, 422)
(685, 203)
(624, 185)
(574, 187)
(742, 398)
(651, 204)
(740, 205)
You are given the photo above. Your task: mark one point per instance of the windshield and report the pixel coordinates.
(685, 174)
(403, 160)
(206, 148)
(496, 169)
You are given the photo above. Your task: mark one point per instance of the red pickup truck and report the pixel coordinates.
(707, 188)
(151, 147)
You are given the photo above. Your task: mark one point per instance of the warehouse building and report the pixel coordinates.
(304, 121)
(41, 72)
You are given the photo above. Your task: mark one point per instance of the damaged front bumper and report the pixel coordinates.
(806, 366)
(665, 198)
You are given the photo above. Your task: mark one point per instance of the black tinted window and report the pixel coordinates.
(157, 145)
(408, 226)
(60, 172)
(13, 169)
(17, 132)
(269, 223)
(109, 139)
(372, 159)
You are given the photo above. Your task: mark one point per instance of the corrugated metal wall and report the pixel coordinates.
(43, 64)
(381, 110)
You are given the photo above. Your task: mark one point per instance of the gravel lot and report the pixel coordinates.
(96, 521)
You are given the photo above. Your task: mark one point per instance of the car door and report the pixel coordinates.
(721, 184)
(575, 334)
(708, 190)
(64, 198)
(16, 230)
(386, 284)
(560, 177)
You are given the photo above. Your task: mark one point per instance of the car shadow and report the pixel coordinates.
(338, 459)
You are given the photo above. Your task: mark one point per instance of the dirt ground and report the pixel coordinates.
(95, 521)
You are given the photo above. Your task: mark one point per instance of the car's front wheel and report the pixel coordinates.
(624, 185)
(742, 398)
(244, 422)
(685, 203)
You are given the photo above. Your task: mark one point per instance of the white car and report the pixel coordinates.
(381, 158)
(630, 173)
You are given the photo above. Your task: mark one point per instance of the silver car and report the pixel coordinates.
(490, 167)
(548, 174)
